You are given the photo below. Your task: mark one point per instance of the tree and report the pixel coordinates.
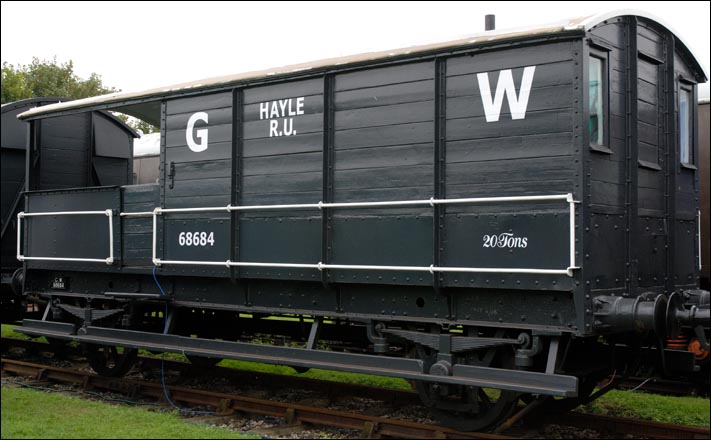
(14, 86)
(137, 124)
(48, 78)
(43, 78)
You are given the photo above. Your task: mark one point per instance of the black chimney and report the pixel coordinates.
(489, 22)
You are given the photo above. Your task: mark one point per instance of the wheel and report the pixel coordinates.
(108, 360)
(469, 408)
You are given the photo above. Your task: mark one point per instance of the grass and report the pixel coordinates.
(34, 414)
(7, 332)
(314, 373)
(693, 411)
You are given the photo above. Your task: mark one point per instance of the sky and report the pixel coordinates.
(141, 45)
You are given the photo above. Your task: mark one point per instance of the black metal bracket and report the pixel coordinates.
(552, 361)
(447, 343)
(137, 296)
(88, 314)
(237, 180)
(374, 333)
(171, 175)
(329, 135)
(440, 164)
(314, 333)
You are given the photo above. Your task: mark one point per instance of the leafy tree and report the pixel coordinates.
(14, 86)
(144, 126)
(137, 124)
(49, 78)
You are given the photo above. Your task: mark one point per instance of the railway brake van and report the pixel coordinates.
(80, 150)
(515, 211)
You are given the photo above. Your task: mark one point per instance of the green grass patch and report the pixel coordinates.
(34, 414)
(360, 379)
(313, 373)
(693, 411)
(166, 356)
(8, 332)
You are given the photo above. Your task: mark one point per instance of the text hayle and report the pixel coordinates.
(280, 114)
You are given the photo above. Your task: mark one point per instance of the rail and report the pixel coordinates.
(226, 404)
(398, 203)
(107, 212)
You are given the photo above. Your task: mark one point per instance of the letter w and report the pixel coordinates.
(518, 105)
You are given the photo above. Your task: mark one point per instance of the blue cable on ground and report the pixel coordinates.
(162, 362)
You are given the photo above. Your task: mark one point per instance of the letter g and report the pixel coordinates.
(201, 134)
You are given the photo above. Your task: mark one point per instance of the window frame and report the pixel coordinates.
(659, 66)
(602, 53)
(686, 85)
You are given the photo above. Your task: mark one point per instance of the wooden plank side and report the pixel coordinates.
(511, 58)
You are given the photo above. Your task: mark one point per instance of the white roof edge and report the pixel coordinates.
(503, 34)
(590, 22)
(582, 24)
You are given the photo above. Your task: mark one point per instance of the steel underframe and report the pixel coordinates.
(412, 369)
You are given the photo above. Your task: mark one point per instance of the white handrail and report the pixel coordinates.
(320, 205)
(393, 203)
(107, 212)
(136, 214)
(571, 231)
(321, 266)
(698, 233)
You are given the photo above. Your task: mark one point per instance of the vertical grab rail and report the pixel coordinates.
(571, 203)
(107, 212)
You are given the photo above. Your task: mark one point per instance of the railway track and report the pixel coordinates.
(228, 404)
(292, 414)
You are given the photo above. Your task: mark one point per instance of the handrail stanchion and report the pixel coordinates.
(20, 216)
(156, 211)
